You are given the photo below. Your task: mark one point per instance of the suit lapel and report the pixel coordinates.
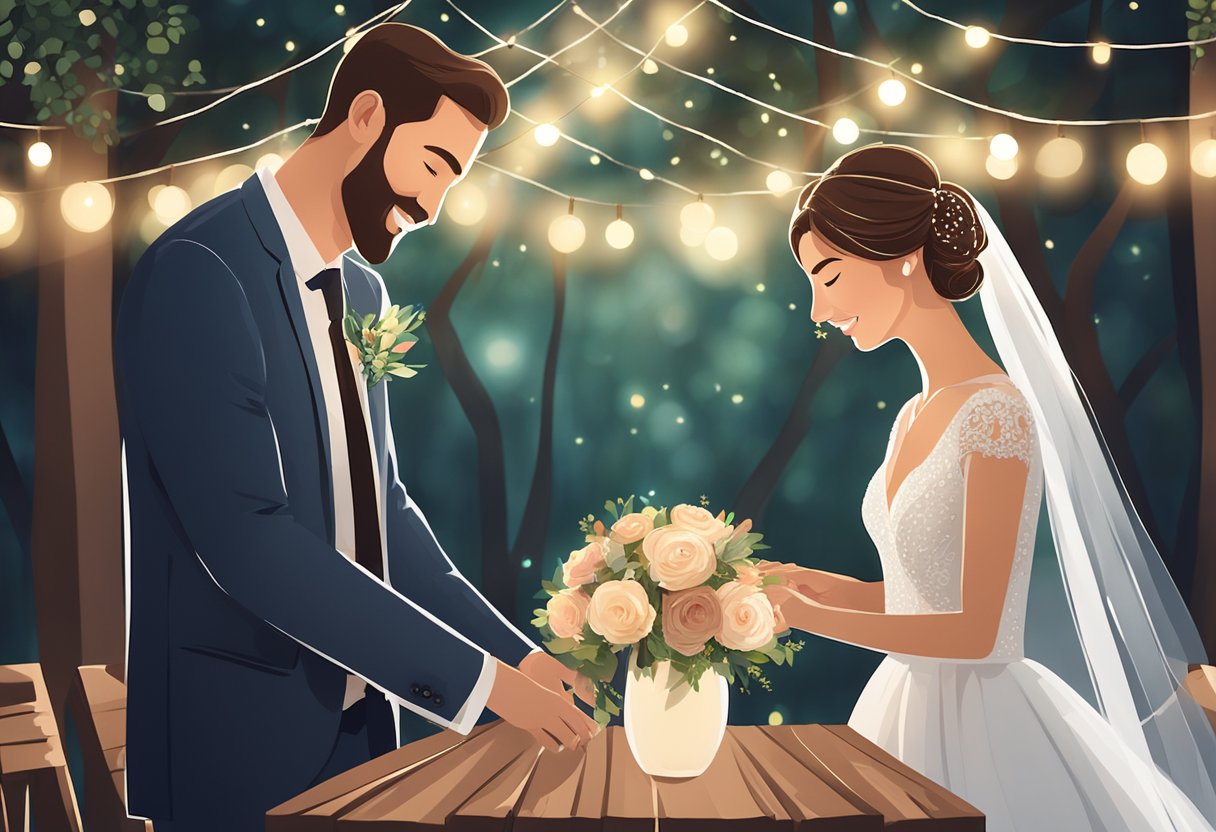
(262, 217)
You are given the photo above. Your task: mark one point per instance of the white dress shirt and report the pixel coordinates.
(307, 262)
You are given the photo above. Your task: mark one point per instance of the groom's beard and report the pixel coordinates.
(368, 199)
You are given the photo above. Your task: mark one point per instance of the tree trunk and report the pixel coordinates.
(77, 514)
(1203, 208)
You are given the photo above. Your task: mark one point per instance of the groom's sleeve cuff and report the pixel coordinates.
(471, 710)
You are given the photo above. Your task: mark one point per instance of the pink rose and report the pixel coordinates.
(747, 617)
(621, 612)
(568, 613)
(583, 564)
(631, 528)
(697, 519)
(691, 617)
(679, 558)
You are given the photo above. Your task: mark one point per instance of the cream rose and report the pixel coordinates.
(621, 612)
(568, 613)
(631, 528)
(697, 519)
(747, 617)
(582, 565)
(691, 617)
(679, 558)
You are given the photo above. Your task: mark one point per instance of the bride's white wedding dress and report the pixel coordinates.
(1003, 732)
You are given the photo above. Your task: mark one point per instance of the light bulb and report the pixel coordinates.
(86, 206)
(676, 35)
(152, 192)
(619, 234)
(721, 243)
(697, 216)
(845, 131)
(692, 237)
(1060, 157)
(1100, 52)
(171, 204)
(1001, 168)
(1146, 163)
(8, 215)
(546, 134)
(231, 177)
(39, 154)
(1203, 158)
(892, 92)
(466, 204)
(567, 233)
(1003, 146)
(976, 36)
(649, 67)
(779, 182)
(269, 160)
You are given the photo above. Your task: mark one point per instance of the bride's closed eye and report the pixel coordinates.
(833, 280)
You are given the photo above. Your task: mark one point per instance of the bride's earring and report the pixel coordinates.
(907, 269)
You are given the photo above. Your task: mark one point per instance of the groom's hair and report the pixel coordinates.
(411, 69)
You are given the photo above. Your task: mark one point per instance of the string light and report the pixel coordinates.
(1003, 146)
(8, 216)
(273, 161)
(1060, 157)
(697, 217)
(231, 177)
(676, 35)
(39, 154)
(976, 36)
(171, 204)
(86, 206)
(779, 182)
(546, 135)
(567, 232)
(619, 233)
(1100, 53)
(1146, 163)
(845, 130)
(1203, 158)
(721, 243)
(1001, 168)
(892, 92)
(466, 205)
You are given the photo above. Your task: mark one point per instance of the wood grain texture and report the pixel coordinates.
(764, 779)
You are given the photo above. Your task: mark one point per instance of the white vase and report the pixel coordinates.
(676, 732)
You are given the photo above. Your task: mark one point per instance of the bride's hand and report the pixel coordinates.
(812, 583)
(797, 609)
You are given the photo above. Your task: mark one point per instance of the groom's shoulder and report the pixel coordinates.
(216, 230)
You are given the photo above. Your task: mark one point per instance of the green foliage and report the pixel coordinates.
(63, 50)
(1202, 17)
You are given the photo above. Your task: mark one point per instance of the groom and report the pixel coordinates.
(285, 592)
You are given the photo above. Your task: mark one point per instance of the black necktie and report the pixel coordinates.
(362, 486)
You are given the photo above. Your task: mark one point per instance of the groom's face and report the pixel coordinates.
(400, 183)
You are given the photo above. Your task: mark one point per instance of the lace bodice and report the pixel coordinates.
(920, 539)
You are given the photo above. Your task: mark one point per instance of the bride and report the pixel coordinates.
(888, 248)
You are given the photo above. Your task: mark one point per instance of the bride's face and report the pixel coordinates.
(863, 298)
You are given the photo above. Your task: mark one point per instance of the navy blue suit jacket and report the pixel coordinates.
(243, 618)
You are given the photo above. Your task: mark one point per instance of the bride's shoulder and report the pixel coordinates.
(997, 421)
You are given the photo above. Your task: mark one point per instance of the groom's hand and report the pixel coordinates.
(549, 673)
(549, 717)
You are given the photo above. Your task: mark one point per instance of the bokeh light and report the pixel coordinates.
(892, 92)
(86, 206)
(845, 130)
(1060, 157)
(977, 37)
(1146, 163)
(39, 154)
(1203, 158)
(171, 204)
(721, 243)
(567, 233)
(466, 204)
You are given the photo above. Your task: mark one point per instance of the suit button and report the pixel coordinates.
(426, 693)
(415, 689)
(437, 699)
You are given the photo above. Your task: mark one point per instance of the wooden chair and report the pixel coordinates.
(98, 703)
(33, 771)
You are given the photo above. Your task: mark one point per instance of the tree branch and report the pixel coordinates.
(1078, 295)
(1148, 364)
(534, 527)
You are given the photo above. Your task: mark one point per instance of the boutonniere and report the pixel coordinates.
(380, 345)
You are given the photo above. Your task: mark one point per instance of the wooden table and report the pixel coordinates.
(814, 777)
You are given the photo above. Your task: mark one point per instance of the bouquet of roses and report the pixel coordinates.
(677, 585)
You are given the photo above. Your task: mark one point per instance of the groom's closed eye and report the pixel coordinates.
(833, 280)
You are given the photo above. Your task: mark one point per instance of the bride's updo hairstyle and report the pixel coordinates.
(883, 202)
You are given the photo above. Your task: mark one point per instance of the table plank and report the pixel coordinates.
(26, 727)
(551, 800)
(490, 807)
(17, 684)
(310, 809)
(808, 798)
(29, 756)
(428, 794)
(630, 799)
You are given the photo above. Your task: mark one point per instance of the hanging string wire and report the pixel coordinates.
(1084, 44)
(946, 93)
